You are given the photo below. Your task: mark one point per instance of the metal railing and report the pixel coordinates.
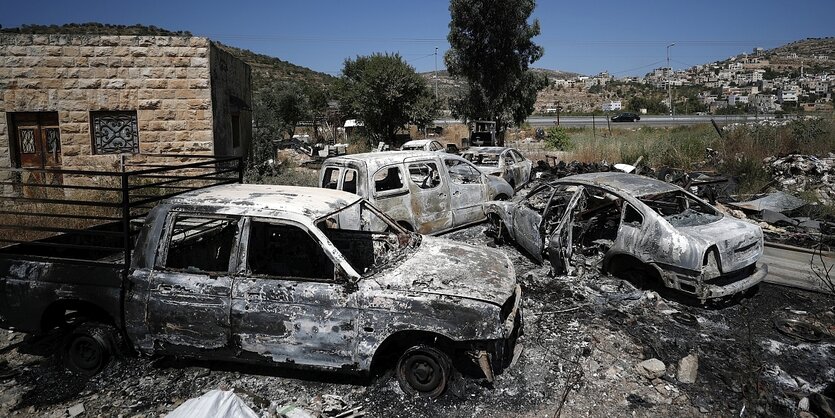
(88, 216)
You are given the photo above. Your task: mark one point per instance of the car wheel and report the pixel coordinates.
(423, 371)
(88, 348)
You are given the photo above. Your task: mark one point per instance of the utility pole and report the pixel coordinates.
(669, 84)
(436, 73)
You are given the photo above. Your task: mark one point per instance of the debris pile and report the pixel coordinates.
(797, 173)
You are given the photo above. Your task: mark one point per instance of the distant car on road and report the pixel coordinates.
(423, 145)
(626, 117)
(503, 162)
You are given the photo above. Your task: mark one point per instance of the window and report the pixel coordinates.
(349, 181)
(114, 132)
(508, 158)
(388, 178)
(517, 155)
(632, 217)
(365, 237)
(236, 130)
(462, 173)
(286, 251)
(201, 243)
(435, 146)
(331, 178)
(425, 175)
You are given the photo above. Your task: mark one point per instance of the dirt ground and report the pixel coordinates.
(584, 337)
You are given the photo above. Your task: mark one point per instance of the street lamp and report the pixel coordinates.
(669, 86)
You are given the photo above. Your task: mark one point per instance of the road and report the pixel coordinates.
(790, 266)
(648, 120)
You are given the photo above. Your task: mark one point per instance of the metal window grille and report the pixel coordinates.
(27, 141)
(115, 133)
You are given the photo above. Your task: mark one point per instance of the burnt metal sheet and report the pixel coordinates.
(775, 202)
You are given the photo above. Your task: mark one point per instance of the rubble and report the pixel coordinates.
(798, 173)
(75, 410)
(652, 368)
(688, 368)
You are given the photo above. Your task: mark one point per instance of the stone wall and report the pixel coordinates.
(165, 79)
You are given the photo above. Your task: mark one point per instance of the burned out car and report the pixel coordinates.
(638, 227)
(503, 162)
(424, 191)
(306, 277)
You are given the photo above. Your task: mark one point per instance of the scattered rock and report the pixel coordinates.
(75, 410)
(688, 368)
(803, 405)
(651, 368)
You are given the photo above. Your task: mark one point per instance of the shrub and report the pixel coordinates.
(556, 138)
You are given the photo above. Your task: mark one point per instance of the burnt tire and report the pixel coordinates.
(423, 371)
(87, 349)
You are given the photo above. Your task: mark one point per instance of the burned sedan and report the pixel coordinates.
(640, 228)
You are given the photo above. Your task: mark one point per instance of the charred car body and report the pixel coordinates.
(308, 277)
(427, 192)
(644, 228)
(503, 162)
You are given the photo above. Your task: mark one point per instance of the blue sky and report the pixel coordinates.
(622, 37)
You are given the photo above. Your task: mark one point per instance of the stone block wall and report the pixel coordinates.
(165, 79)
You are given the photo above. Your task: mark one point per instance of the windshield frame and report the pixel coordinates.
(412, 240)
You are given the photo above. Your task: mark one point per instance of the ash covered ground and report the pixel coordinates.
(585, 337)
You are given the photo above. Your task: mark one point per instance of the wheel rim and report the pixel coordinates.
(423, 372)
(85, 353)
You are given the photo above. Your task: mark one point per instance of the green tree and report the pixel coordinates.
(492, 49)
(279, 107)
(653, 106)
(385, 93)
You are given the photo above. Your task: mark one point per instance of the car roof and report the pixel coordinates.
(375, 160)
(487, 150)
(632, 184)
(417, 142)
(255, 199)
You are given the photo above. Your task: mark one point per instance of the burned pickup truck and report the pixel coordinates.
(637, 227)
(305, 277)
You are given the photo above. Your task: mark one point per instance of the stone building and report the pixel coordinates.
(81, 101)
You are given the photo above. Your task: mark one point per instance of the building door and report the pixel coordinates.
(37, 139)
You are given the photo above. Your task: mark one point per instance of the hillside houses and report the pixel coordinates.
(759, 82)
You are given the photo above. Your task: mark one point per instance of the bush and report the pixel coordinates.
(556, 138)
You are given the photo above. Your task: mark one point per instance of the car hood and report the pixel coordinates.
(739, 243)
(444, 267)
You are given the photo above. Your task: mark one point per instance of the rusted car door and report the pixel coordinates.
(390, 192)
(190, 287)
(527, 221)
(467, 191)
(523, 168)
(560, 241)
(430, 203)
(287, 305)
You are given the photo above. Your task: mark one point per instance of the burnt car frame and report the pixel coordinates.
(646, 230)
(302, 277)
(504, 162)
(427, 192)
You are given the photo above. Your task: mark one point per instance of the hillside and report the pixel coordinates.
(264, 68)
(449, 86)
